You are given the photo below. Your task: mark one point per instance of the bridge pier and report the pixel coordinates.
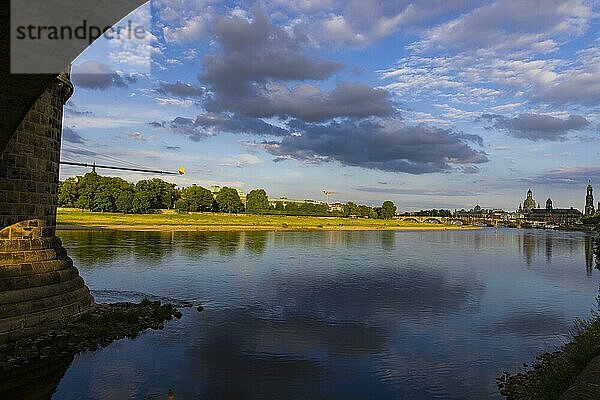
(38, 283)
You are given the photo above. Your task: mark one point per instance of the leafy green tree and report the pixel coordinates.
(350, 209)
(198, 198)
(279, 206)
(593, 220)
(228, 200)
(291, 209)
(67, 192)
(83, 202)
(388, 210)
(140, 203)
(366, 212)
(176, 195)
(104, 193)
(434, 213)
(257, 201)
(307, 208)
(86, 189)
(181, 205)
(159, 193)
(358, 210)
(124, 201)
(322, 209)
(104, 199)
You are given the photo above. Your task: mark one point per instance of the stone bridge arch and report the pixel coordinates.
(38, 283)
(410, 219)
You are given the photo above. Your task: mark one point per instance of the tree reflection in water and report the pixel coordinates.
(255, 242)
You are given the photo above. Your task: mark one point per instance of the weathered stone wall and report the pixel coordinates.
(29, 168)
(38, 282)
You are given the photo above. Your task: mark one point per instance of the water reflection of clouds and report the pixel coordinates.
(330, 321)
(364, 293)
(360, 314)
(241, 354)
(529, 323)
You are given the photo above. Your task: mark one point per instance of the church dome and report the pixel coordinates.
(529, 203)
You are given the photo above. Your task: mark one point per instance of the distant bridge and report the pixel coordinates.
(455, 220)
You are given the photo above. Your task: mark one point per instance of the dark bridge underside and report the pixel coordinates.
(18, 92)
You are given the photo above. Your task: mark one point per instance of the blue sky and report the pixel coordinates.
(429, 104)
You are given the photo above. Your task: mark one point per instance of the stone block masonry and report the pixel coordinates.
(38, 283)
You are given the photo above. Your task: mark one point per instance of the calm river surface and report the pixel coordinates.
(331, 315)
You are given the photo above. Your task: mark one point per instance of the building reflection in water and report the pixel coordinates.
(528, 244)
(532, 244)
(589, 254)
(549, 249)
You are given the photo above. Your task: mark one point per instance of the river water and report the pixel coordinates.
(330, 315)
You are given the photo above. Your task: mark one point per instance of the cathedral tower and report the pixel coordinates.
(589, 200)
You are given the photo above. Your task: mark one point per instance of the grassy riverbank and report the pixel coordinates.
(68, 219)
(552, 373)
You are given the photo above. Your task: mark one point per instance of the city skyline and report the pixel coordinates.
(430, 106)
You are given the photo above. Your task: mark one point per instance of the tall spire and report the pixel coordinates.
(589, 200)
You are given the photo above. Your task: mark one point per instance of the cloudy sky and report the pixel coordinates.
(426, 103)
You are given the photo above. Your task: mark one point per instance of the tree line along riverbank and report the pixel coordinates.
(94, 192)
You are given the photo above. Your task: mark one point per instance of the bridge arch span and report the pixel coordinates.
(38, 283)
(20, 90)
(410, 219)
